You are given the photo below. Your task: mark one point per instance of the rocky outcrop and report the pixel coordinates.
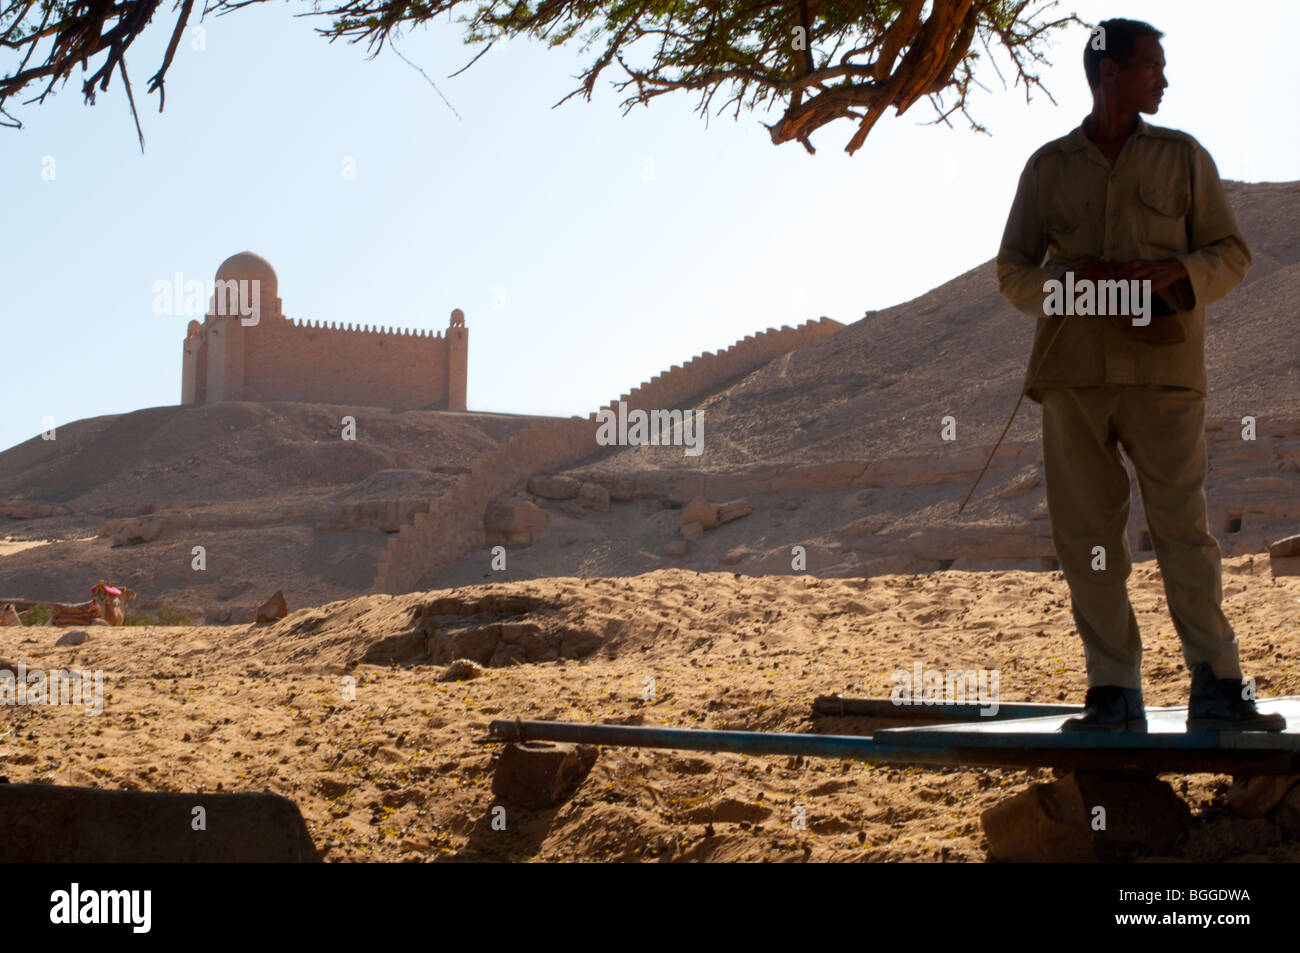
(514, 522)
(272, 610)
(554, 487)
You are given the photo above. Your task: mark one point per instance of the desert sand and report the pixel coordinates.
(398, 773)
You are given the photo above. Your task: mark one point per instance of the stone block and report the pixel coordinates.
(1054, 822)
(593, 497)
(1287, 546)
(514, 522)
(45, 823)
(539, 775)
(554, 487)
(734, 510)
(699, 510)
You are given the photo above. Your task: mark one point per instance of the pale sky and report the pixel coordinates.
(589, 250)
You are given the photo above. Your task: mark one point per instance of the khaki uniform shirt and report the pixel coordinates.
(1162, 199)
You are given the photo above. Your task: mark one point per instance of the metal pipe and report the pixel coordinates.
(1073, 754)
(888, 708)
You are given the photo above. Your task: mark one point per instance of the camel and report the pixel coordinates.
(104, 608)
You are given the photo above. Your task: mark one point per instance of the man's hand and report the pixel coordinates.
(1097, 269)
(1161, 273)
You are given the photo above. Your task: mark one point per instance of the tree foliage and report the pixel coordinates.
(816, 60)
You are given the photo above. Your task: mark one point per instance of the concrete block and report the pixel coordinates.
(44, 823)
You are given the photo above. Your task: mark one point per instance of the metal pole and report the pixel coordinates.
(888, 708)
(1116, 752)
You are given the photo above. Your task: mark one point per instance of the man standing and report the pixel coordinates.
(1120, 200)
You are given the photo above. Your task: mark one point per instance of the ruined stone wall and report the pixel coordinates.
(311, 362)
(452, 527)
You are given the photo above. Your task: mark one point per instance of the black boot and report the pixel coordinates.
(1216, 704)
(1110, 708)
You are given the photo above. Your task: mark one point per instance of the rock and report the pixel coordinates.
(730, 811)
(733, 557)
(46, 823)
(1021, 485)
(622, 487)
(530, 636)
(26, 511)
(1287, 546)
(515, 522)
(691, 531)
(554, 487)
(508, 654)
(396, 649)
(76, 637)
(674, 547)
(569, 508)
(1053, 822)
(733, 510)
(594, 497)
(477, 644)
(131, 531)
(700, 510)
(272, 609)
(1256, 795)
(538, 775)
(9, 615)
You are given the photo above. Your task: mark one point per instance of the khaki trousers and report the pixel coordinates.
(1162, 430)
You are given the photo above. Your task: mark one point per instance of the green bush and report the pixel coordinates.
(164, 615)
(169, 616)
(38, 614)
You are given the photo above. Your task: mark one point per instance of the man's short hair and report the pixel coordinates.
(1115, 39)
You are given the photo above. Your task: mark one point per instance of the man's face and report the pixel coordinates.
(1140, 83)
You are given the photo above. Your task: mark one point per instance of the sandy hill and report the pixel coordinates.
(836, 446)
(272, 492)
(880, 387)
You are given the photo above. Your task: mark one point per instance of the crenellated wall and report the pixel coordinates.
(274, 358)
(365, 366)
(452, 527)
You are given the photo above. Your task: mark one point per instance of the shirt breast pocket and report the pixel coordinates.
(1164, 217)
(1069, 235)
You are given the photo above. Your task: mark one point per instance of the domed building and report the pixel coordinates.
(246, 349)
